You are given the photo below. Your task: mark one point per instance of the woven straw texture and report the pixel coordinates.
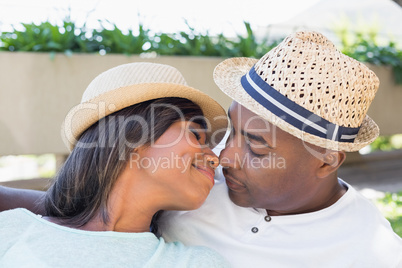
(308, 69)
(132, 83)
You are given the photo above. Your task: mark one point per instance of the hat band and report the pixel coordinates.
(292, 113)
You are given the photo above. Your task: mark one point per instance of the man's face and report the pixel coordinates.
(266, 167)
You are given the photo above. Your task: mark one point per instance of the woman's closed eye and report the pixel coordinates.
(196, 134)
(201, 137)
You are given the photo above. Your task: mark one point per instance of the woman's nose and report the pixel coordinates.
(211, 158)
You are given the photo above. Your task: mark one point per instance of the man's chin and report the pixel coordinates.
(238, 199)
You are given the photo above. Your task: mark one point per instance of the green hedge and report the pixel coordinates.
(68, 38)
(391, 207)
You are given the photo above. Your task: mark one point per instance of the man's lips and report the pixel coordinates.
(208, 172)
(232, 183)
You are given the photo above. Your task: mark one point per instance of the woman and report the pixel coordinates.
(140, 144)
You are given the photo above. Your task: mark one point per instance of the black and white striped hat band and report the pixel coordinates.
(293, 113)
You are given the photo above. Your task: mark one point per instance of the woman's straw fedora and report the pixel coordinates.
(132, 83)
(308, 88)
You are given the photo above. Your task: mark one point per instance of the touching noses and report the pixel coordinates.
(211, 158)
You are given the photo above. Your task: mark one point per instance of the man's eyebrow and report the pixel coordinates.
(256, 138)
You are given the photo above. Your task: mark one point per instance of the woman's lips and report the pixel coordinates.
(210, 174)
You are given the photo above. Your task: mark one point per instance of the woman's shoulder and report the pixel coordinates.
(136, 249)
(14, 224)
(16, 217)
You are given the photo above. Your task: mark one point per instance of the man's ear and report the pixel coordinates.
(331, 161)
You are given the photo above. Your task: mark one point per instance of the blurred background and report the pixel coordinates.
(50, 50)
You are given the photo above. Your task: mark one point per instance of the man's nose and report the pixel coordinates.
(229, 157)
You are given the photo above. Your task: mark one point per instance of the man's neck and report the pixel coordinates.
(325, 196)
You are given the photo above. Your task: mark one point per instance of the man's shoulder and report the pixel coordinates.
(367, 229)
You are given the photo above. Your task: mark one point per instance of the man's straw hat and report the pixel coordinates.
(132, 83)
(308, 88)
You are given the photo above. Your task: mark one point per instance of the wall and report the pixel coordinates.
(386, 109)
(36, 92)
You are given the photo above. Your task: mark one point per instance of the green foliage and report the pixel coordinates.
(47, 37)
(381, 143)
(198, 44)
(391, 207)
(68, 38)
(387, 143)
(115, 41)
(364, 46)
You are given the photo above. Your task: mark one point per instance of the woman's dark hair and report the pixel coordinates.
(82, 186)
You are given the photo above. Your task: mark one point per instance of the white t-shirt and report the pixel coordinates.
(27, 240)
(350, 233)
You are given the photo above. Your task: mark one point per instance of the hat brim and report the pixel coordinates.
(227, 76)
(82, 116)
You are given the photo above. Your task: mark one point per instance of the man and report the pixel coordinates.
(278, 201)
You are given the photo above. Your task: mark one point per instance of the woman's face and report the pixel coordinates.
(177, 167)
